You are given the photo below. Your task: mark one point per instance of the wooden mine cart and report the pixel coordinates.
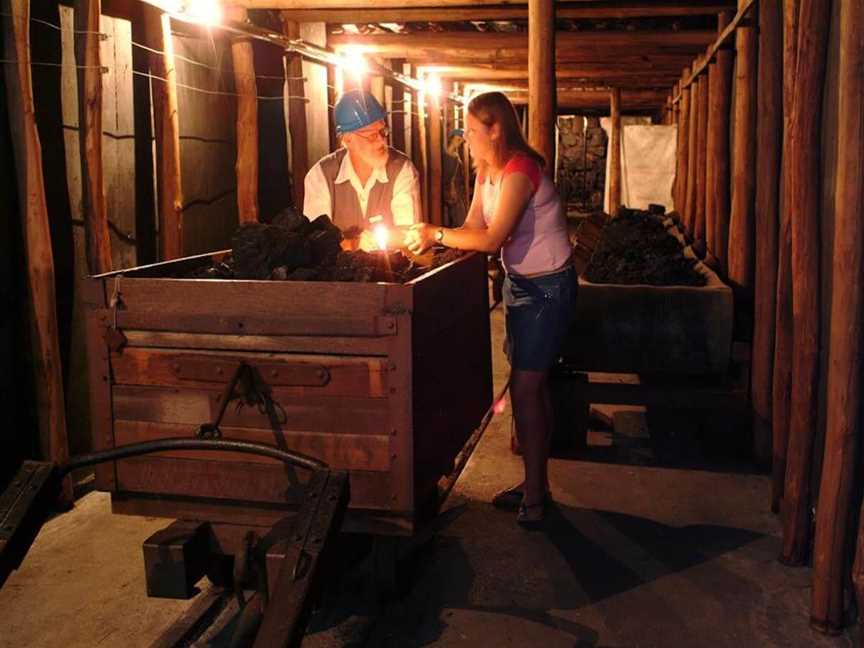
(386, 381)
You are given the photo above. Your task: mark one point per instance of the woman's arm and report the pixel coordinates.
(516, 191)
(474, 219)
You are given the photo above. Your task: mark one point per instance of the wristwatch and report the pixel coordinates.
(439, 235)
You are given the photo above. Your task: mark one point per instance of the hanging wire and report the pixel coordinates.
(39, 21)
(223, 93)
(48, 64)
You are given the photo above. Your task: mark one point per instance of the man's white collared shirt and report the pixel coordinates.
(406, 191)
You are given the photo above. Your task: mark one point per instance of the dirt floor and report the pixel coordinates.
(640, 549)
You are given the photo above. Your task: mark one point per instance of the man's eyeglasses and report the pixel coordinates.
(383, 133)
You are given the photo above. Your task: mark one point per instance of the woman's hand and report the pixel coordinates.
(420, 237)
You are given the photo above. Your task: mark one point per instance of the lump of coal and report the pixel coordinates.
(258, 248)
(293, 248)
(288, 218)
(635, 248)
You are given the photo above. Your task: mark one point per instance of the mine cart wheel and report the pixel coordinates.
(391, 566)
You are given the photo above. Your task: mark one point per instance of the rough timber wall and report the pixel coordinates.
(581, 163)
(207, 142)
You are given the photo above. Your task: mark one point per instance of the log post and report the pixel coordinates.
(422, 148)
(813, 24)
(683, 147)
(768, 138)
(157, 26)
(710, 168)
(701, 160)
(397, 114)
(297, 118)
(42, 306)
(435, 206)
(541, 80)
(332, 98)
(93, 206)
(675, 106)
(615, 152)
(246, 166)
(692, 144)
(741, 222)
(781, 387)
(719, 145)
(843, 426)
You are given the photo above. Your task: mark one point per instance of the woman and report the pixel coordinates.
(516, 209)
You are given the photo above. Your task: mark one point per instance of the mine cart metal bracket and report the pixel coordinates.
(24, 505)
(295, 566)
(281, 374)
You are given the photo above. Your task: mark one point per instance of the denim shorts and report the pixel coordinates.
(539, 313)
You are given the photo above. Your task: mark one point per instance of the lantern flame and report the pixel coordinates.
(382, 235)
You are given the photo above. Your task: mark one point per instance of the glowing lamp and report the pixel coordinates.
(205, 12)
(354, 64)
(432, 86)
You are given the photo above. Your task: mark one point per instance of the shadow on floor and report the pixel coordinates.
(489, 565)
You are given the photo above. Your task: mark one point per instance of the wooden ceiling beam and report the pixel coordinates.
(664, 82)
(398, 12)
(400, 45)
(628, 70)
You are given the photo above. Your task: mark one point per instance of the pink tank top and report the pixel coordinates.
(539, 241)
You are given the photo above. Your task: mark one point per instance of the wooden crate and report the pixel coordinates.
(386, 381)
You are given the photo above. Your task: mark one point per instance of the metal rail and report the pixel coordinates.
(183, 443)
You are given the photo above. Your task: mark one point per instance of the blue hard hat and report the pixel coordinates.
(457, 132)
(355, 110)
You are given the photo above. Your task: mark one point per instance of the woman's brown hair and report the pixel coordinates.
(492, 108)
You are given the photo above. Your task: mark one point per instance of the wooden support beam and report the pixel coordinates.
(768, 138)
(397, 114)
(297, 118)
(843, 427)
(692, 148)
(246, 165)
(683, 148)
(500, 46)
(420, 146)
(741, 220)
(725, 37)
(621, 72)
(615, 152)
(814, 21)
(87, 13)
(710, 169)
(701, 161)
(435, 206)
(541, 80)
(597, 100)
(169, 186)
(719, 151)
(781, 390)
(399, 12)
(33, 209)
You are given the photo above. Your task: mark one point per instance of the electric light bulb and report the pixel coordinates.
(206, 12)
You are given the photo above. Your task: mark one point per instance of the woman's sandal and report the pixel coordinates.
(510, 498)
(531, 515)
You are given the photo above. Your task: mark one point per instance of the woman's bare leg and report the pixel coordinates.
(529, 399)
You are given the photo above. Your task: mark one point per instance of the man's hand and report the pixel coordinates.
(420, 237)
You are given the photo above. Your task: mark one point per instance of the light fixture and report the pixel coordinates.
(432, 87)
(205, 12)
(354, 63)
